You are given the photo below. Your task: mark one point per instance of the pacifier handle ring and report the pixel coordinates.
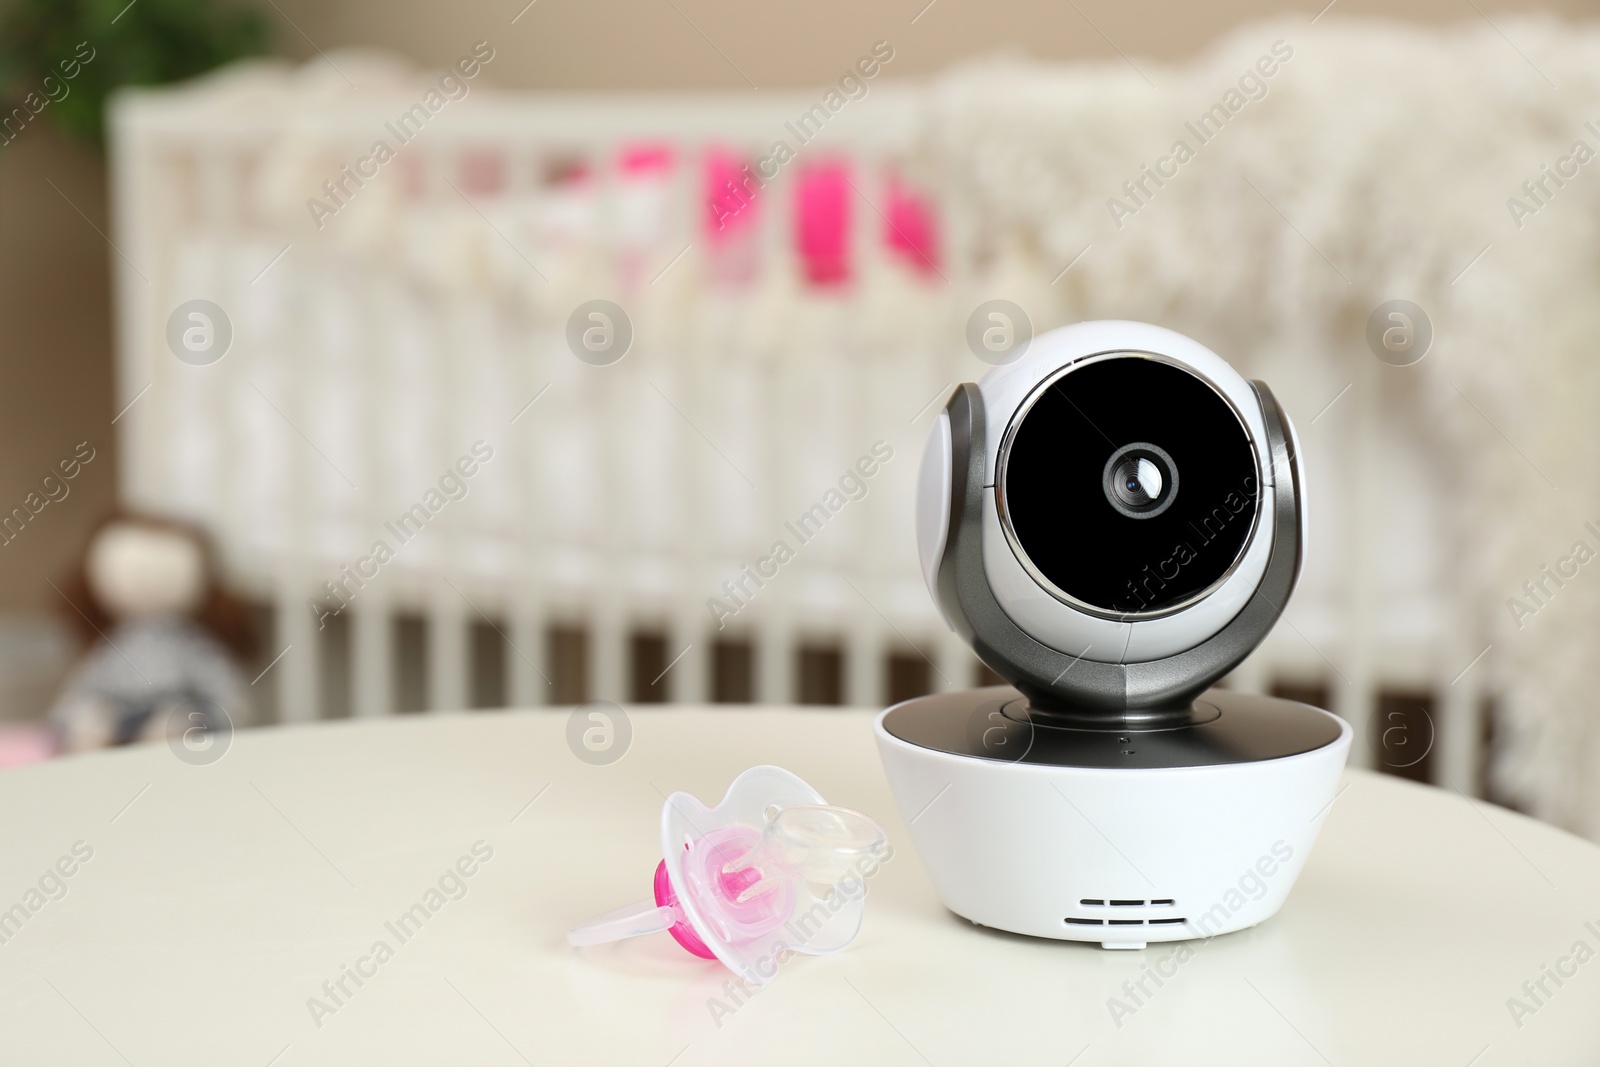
(635, 920)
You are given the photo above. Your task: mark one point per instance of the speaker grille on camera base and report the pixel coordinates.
(1124, 903)
(1100, 903)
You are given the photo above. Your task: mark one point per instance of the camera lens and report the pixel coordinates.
(1135, 474)
(1140, 480)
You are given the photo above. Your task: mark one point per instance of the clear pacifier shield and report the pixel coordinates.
(698, 844)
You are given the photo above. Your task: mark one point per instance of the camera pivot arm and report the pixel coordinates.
(1058, 685)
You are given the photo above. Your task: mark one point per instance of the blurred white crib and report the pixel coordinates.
(431, 313)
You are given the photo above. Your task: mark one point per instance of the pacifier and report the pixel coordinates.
(769, 872)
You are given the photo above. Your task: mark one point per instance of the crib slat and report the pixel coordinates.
(688, 681)
(1356, 702)
(372, 656)
(865, 683)
(449, 640)
(954, 659)
(298, 691)
(608, 655)
(526, 660)
(776, 652)
(1458, 730)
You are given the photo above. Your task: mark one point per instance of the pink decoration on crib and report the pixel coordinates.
(645, 159)
(822, 223)
(572, 173)
(912, 230)
(483, 173)
(732, 196)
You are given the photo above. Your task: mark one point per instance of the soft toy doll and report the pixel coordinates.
(162, 639)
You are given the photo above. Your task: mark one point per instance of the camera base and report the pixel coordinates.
(1084, 829)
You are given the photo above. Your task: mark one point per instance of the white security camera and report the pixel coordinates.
(1113, 521)
(1119, 501)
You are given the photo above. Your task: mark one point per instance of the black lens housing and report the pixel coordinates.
(1082, 540)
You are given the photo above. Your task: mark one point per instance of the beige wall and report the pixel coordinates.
(55, 340)
(651, 44)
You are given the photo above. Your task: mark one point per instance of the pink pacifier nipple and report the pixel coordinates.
(720, 889)
(770, 870)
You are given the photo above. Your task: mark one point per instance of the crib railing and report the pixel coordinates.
(793, 326)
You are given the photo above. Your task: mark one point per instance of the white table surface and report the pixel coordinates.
(221, 898)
